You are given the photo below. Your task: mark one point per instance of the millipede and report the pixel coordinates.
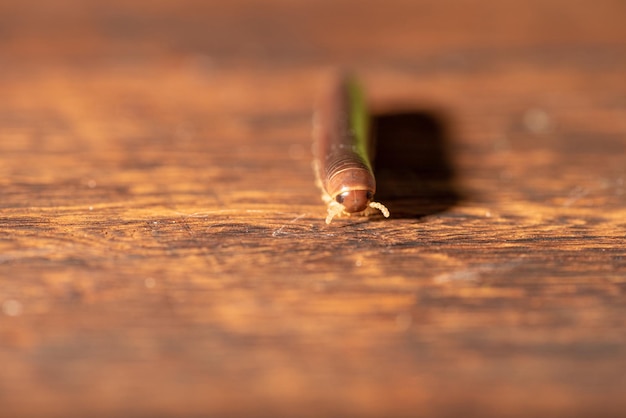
(343, 150)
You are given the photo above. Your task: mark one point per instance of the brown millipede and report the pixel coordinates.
(342, 150)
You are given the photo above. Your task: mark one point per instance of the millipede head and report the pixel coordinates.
(355, 201)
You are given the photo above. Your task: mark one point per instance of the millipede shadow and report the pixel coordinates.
(414, 174)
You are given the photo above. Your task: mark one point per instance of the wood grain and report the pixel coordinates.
(163, 251)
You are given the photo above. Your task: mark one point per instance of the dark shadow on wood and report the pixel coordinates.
(414, 174)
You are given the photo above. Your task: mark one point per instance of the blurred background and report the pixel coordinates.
(416, 35)
(161, 243)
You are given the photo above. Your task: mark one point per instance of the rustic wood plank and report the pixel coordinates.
(163, 250)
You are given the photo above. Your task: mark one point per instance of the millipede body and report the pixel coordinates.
(342, 148)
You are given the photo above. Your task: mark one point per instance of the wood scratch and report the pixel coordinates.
(279, 231)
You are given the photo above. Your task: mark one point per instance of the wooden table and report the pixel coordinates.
(163, 251)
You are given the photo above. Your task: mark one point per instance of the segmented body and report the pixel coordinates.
(341, 148)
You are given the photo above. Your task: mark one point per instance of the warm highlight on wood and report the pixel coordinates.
(163, 251)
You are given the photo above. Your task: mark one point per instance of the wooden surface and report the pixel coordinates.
(163, 251)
